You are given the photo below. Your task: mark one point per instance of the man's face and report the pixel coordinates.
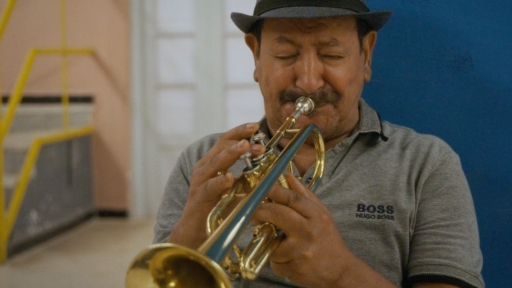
(318, 58)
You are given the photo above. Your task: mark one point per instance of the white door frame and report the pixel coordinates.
(146, 143)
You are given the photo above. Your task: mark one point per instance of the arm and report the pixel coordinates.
(445, 241)
(187, 222)
(313, 252)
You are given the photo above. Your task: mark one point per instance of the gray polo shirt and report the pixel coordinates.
(400, 199)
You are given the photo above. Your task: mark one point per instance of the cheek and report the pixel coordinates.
(272, 83)
(275, 77)
(272, 113)
(348, 83)
(346, 76)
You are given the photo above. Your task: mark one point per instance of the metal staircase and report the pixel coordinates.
(30, 141)
(58, 185)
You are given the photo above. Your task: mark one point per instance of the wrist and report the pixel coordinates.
(190, 234)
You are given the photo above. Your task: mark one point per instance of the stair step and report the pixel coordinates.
(21, 141)
(10, 181)
(33, 120)
(16, 147)
(30, 117)
(24, 109)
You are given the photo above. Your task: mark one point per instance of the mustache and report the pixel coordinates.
(321, 96)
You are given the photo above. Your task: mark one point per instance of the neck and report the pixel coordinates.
(305, 157)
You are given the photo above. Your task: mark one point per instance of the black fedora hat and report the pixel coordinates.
(310, 9)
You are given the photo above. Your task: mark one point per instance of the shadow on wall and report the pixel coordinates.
(442, 68)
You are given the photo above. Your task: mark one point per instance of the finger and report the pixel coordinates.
(226, 142)
(215, 187)
(286, 251)
(302, 189)
(298, 197)
(240, 132)
(291, 270)
(299, 187)
(281, 269)
(285, 258)
(230, 138)
(226, 158)
(282, 216)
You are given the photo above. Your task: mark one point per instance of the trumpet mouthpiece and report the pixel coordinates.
(305, 104)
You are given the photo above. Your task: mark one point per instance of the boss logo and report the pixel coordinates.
(380, 209)
(384, 212)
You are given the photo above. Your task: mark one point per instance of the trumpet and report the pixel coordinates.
(171, 265)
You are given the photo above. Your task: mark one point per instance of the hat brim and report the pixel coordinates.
(376, 19)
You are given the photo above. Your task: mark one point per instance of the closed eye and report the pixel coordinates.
(332, 56)
(286, 57)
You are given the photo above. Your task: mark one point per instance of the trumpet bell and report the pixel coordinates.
(170, 265)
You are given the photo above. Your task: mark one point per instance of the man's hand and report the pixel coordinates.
(313, 252)
(207, 185)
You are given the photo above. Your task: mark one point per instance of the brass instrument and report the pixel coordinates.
(171, 265)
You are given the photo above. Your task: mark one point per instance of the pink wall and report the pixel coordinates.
(102, 25)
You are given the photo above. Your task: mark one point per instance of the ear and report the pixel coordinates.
(368, 45)
(253, 44)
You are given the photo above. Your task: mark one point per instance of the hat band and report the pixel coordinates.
(267, 5)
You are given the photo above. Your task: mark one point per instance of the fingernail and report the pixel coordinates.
(240, 144)
(257, 148)
(251, 125)
(229, 176)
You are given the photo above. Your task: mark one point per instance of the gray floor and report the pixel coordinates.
(94, 254)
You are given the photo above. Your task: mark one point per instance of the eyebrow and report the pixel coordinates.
(284, 40)
(332, 42)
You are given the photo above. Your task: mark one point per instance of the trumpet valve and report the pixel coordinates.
(247, 159)
(260, 138)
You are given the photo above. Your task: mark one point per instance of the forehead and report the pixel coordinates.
(329, 26)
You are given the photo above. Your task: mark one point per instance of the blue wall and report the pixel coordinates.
(445, 68)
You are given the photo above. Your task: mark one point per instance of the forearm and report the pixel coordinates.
(358, 274)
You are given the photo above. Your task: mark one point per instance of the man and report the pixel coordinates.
(393, 209)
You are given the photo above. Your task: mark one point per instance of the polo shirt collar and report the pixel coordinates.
(369, 121)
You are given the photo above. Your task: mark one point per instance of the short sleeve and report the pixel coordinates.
(173, 201)
(445, 245)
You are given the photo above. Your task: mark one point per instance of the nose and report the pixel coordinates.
(309, 73)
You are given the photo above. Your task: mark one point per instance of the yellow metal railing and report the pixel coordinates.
(6, 15)
(17, 94)
(8, 215)
(24, 179)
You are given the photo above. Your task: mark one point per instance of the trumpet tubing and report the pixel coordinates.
(171, 265)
